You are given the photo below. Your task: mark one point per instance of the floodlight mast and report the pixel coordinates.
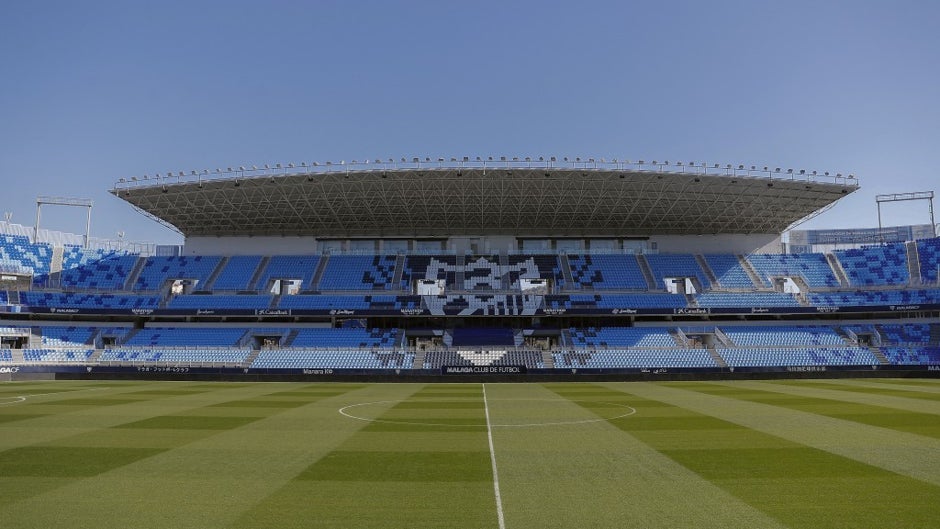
(902, 197)
(63, 201)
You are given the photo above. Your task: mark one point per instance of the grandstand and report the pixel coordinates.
(362, 271)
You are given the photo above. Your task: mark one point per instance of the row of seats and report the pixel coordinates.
(110, 270)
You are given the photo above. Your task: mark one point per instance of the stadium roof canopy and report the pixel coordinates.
(518, 198)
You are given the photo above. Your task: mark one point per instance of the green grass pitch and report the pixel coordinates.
(769, 454)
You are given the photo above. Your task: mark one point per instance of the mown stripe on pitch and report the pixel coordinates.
(406, 473)
(799, 485)
(881, 416)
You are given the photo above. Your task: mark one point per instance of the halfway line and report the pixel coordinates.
(489, 435)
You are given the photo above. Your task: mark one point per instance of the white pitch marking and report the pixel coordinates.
(22, 398)
(343, 411)
(489, 435)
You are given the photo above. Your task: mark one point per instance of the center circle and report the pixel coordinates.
(346, 413)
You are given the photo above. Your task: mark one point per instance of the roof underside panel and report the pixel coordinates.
(454, 202)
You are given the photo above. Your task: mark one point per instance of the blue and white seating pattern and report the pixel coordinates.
(358, 272)
(237, 273)
(88, 301)
(58, 355)
(741, 299)
(292, 267)
(729, 272)
(610, 272)
(345, 338)
(621, 337)
(634, 359)
(676, 265)
(928, 252)
(798, 356)
(812, 267)
(772, 336)
(905, 333)
(875, 265)
(912, 355)
(17, 253)
(176, 355)
(186, 337)
(332, 359)
(158, 270)
(109, 273)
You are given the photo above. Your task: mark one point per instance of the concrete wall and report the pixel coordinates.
(705, 244)
(737, 244)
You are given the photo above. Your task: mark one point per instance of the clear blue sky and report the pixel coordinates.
(94, 91)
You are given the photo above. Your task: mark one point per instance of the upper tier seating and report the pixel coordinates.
(301, 267)
(729, 272)
(778, 335)
(619, 337)
(482, 273)
(158, 270)
(17, 254)
(358, 272)
(928, 252)
(676, 265)
(110, 273)
(812, 267)
(875, 265)
(439, 267)
(611, 272)
(237, 273)
(535, 267)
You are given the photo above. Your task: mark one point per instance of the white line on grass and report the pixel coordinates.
(22, 398)
(489, 435)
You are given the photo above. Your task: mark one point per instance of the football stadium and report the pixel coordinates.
(473, 342)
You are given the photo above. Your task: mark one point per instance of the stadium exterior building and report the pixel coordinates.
(438, 268)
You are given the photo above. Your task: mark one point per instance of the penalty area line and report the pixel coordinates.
(489, 435)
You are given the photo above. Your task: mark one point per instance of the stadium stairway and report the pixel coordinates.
(838, 270)
(566, 270)
(55, 266)
(504, 283)
(318, 275)
(934, 334)
(399, 270)
(210, 281)
(844, 335)
(651, 283)
(709, 273)
(420, 356)
(18, 357)
(875, 350)
(913, 262)
(758, 283)
(291, 336)
(253, 283)
(715, 356)
(95, 356)
(134, 274)
(250, 358)
(548, 360)
(460, 276)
